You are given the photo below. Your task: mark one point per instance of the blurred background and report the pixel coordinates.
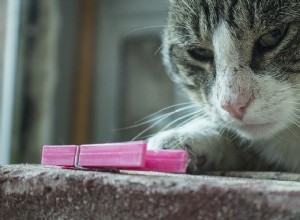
(79, 71)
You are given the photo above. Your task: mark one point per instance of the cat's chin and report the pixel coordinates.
(258, 131)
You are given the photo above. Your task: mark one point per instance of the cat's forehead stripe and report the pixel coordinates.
(224, 48)
(239, 16)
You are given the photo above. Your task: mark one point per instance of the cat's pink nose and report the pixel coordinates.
(236, 110)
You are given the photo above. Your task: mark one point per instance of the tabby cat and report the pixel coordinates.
(239, 61)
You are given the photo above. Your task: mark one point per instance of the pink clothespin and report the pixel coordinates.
(114, 155)
(170, 161)
(127, 155)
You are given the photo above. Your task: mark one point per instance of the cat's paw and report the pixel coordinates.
(203, 152)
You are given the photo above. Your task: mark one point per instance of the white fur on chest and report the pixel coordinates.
(283, 151)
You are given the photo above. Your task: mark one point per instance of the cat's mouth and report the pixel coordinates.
(256, 127)
(257, 130)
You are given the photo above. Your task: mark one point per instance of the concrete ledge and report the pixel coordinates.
(43, 192)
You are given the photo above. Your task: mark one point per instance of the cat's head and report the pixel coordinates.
(240, 58)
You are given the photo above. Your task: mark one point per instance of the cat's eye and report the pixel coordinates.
(272, 39)
(200, 54)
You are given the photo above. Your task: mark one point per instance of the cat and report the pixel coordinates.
(239, 62)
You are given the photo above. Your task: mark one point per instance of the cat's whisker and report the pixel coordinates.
(180, 26)
(297, 116)
(296, 119)
(151, 27)
(234, 136)
(169, 114)
(181, 124)
(145, 122)
(166, 108)
(156, 52)
(291, 130)
(290, 102)
(179, 119)
(294, 122)
(295, 109)
(200, 111)
(162, 118)
(144, 28)
(287, 88)
(193, 11)
(222, 127)
(192, 119)
(150, 127)
(294, 85)
(242, 141)
(222, 130)
(145, 137)
(292, 88)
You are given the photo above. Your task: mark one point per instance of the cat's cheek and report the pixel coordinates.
(217, 112)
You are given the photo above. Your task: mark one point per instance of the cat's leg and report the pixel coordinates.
(208, 149)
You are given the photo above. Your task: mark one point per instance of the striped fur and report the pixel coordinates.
(270, 78)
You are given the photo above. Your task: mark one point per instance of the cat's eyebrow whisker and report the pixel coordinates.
(156, 52)
(144, 28)
(190, 8)
(179, 26)
(150, 27)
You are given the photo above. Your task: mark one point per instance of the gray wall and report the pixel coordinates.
(130, 81)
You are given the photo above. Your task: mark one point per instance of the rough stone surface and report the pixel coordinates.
(44, 192)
